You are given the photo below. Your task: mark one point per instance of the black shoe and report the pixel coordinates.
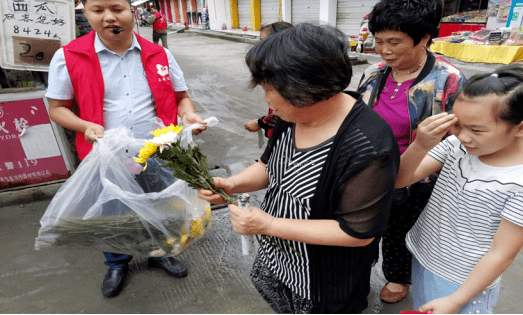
(113, 281)
(172, 266)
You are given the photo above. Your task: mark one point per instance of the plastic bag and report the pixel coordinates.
(111, 205)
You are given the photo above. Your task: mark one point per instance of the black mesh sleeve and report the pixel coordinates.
(366, 198)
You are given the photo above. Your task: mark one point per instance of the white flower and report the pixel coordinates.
(165, 139)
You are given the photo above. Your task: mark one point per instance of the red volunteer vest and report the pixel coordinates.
(161, 23)
(89, 88)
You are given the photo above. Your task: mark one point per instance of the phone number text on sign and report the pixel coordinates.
(37, 28)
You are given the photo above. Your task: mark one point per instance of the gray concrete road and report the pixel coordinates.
(69, 281)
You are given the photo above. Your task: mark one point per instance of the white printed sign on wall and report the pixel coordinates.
(31, 31)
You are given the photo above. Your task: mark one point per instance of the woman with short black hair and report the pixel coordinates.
(410, 85)
(329, 170)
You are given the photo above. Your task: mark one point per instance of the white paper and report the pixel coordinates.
(247, 244)
(517, 16)
(39, 142)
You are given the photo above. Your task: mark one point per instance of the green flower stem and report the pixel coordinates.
(227, 198)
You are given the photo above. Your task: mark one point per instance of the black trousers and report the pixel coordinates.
(157, 36)
(397, 260)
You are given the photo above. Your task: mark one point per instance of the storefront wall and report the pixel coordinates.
(244, 13)
(270, 11)
(344, 14)
(182, 10)
(350, 13)
(165, 8)
(188, 10)
(176, 11)
(219, 14)
(305, 11)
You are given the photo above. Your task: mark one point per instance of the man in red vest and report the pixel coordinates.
(117, 78)
(159, 24)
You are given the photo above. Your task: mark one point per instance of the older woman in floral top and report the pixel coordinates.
(409, 85)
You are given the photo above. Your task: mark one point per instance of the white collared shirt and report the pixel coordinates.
(128, 100)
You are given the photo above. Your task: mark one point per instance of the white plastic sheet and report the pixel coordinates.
(109, 204)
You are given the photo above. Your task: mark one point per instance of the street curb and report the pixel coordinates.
(355, 60)
(24, 195)
(241, 39)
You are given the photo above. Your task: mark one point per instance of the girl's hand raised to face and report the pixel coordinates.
(431, 130)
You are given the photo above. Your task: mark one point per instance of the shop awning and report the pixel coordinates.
(138, 2)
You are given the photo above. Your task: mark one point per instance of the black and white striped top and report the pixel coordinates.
(458, 225)
(294, 175)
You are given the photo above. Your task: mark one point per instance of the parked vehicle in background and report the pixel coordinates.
(143, 21)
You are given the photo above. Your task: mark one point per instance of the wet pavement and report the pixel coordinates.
(68, 281)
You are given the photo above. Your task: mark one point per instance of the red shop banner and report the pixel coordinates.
(30, 152)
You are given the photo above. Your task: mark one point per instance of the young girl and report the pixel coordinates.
(268, 122)
(472, 227)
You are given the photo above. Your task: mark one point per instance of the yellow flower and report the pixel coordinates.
(208, 214)
(140, 160)
(183, 239)
(146, 152)
(196, 228)
(171, 240)
(172, 127)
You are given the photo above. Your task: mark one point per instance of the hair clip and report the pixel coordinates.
(495, 75)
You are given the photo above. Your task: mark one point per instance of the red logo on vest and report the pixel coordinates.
(163, 71)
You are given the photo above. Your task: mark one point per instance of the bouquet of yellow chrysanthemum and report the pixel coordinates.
(187, 164)
(110, 204)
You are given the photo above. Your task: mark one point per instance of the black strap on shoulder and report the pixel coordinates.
(280, 126)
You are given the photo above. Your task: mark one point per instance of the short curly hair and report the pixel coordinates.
(415, 18)
(306, 63)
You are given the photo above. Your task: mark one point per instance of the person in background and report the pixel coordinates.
(329, 170)
(146, 13)
(82, 24)
(159, 23)
(409, 85)
(104, 73)
(472, 227)
(267, 122)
